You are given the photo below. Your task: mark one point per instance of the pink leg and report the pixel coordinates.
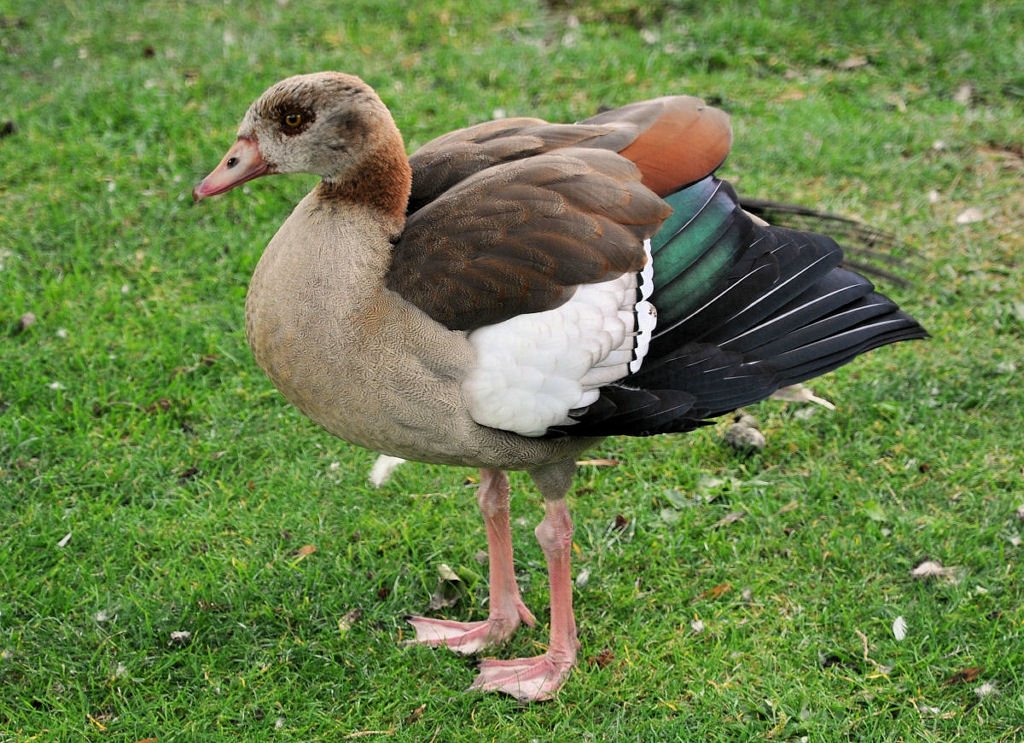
(506, 607)
(535, 679)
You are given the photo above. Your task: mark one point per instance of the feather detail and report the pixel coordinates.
(743, 309)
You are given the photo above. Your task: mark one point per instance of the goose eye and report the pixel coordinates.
(292, 120)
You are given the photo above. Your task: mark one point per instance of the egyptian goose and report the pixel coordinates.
(517, 290)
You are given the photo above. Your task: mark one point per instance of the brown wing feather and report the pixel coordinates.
(519, 237)
(443, 162)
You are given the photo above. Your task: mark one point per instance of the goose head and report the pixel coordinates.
(328, 124)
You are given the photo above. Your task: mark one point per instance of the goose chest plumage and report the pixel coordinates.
(517, 290)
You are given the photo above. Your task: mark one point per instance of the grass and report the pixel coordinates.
(154, 483)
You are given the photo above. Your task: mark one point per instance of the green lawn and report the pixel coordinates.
(153, 483)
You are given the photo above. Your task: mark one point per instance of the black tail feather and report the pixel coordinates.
(867, 249)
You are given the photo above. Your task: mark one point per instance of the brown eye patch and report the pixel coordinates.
(295, 120)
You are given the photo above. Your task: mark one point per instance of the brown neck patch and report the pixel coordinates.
(382, 181)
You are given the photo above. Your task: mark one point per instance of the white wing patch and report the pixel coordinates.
(533, 369)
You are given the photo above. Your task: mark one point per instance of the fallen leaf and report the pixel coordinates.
(364, 733)
(598, 462)
(64, 540)
(697, 626)
(791, 94)
(791, 506)
(415, 714)
(964, 676)
(583, 578)
(899, 629)
(621, 522)
(708, 483)
(447, 573)
(964, 94)
(351, 617)
(801, 393)
(305, 551)
(729, 518)
(180, 637)
(853, 62)
(716, 592)
(26, 321)
(896, 101)
(450, 589)
(970, 216)
(602, 659)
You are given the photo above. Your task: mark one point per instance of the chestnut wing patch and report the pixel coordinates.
(678, 139)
